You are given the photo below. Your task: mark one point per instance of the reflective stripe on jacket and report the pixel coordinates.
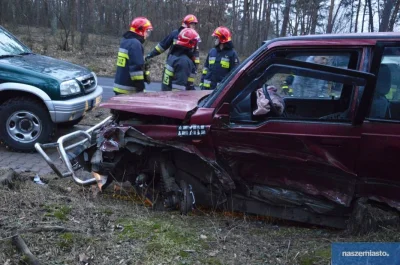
(179, 73)
(129, 77)
(217, 65)
(168, 42)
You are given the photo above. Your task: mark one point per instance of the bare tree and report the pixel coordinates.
(357, 15)
(286, 14)
(330, 17)
(371, 16)
(387, 10)
(394, 15)
(250, 21)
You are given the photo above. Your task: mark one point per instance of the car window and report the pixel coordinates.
(341, 59)
(314, 103)
(386, 100)
(9, 45)
(304, 87)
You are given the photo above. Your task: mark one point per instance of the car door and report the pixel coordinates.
(380, 136)
(315, 155)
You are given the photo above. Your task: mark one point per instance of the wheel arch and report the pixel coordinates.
(12, 90)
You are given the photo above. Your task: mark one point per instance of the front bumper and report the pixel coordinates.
(73, 109)
(62, 150)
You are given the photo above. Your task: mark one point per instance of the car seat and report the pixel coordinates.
(380, 108)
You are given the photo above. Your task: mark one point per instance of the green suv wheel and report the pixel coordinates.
(24, 122)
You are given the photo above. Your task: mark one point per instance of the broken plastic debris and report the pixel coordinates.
(37, 180)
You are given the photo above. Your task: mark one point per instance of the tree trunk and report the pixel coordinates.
(351, 15)
(357, 14)
(234, 16)
(394, 15)
(330, 17)
(336, 13)
(53, 19)
(259, 19)
(72, 15)
(387, 9)
(296, 25)
(244, 24)
(268, 19)
(277, 20)
(286, 14)
(371, 17)
(363, 19)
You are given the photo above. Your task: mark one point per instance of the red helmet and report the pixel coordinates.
(188, 38)
(140, 25)
(223, 34)
(188, 20)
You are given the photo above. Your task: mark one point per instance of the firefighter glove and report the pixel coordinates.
(148, 57)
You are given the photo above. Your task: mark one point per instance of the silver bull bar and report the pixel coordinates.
(63, 152)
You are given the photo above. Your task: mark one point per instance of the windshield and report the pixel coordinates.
(208, 100)
(9, 45)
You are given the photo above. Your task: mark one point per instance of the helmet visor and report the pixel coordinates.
(147, 33)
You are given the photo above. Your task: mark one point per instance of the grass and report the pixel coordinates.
(319, 256)
(60, 212)
(160, 237)
(108, 212)
(66, 241)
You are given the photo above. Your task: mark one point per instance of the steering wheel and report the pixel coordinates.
(274, 111)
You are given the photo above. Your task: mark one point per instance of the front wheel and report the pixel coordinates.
(24, 122)
(186, 198)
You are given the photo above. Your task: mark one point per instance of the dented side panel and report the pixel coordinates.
(318, 162)
(379, 162)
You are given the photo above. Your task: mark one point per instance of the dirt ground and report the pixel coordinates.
(62, 223)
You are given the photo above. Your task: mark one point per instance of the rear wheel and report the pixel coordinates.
(24, 122)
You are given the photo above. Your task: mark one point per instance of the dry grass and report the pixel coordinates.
(115, 231)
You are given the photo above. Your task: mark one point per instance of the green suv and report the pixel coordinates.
(37, 93)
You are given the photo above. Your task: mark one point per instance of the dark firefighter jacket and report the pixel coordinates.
(129, 77)
(217, 65)
(179, 70)
(168, 42)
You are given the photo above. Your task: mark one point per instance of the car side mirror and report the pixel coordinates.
(221, 117)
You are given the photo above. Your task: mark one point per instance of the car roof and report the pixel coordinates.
(342, 36)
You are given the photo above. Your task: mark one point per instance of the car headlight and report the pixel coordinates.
(70, 87)
(95, 77)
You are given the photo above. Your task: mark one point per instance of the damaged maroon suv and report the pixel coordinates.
(304, 129)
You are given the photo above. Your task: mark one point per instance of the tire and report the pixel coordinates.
(24, 122)
(68, 124)
(186, 200)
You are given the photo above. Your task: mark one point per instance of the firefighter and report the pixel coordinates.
(287, 85)
(220, 60)
(189, 21)
(180, 70)
(131, 69)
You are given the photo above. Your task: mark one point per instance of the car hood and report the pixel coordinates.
(166, 104)
(58, 69)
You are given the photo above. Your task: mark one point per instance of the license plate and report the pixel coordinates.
(91, 104)
(98, 100)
